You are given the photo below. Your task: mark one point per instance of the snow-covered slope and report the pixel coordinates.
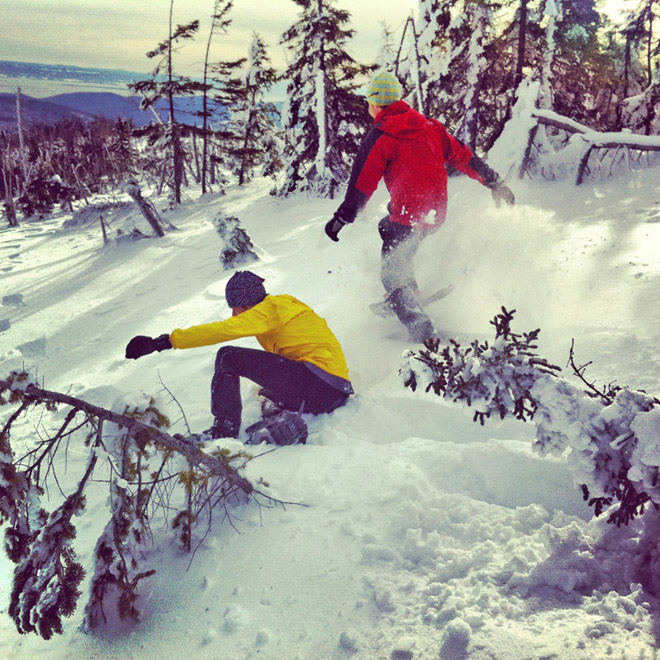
(423, 535)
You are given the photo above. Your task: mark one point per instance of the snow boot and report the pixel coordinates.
(284, 428)
(411, 314)
(270, 406)
(215, 432)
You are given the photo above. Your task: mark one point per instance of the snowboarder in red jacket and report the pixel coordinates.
(409, 151)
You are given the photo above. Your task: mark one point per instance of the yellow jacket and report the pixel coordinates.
(282, 325)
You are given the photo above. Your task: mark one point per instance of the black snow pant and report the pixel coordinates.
(400, 245)
(290, 384)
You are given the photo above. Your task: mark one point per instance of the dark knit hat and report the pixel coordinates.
(384, 89)
(244, 289)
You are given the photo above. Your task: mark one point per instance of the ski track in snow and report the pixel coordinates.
(422, 535)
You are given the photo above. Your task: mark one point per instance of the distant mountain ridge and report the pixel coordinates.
(84, 105)
(66, 72)
(87, 105)
(35, 111)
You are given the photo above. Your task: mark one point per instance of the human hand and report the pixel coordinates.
(502, 192)
(334, 226)
(141, 345)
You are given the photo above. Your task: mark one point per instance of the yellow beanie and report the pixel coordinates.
(384, 89)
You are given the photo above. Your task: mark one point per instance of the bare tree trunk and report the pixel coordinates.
(649, 48)
(205, 102)
(21, 139)
(146, 207)
(177, 157)
(9, 205)
(196, 171)
(522, 37)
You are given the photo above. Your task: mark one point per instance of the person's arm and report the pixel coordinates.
(361, 185)
(257, 320)
(254, 321)
(460, 156)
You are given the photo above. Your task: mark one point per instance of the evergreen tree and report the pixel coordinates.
(521, 22)
(455, 74)
(409, 67)
(219, 23)
(237, 249)
(323, 113)
(121, 151)
(574, 71)
(641, 112)
(434, 18)
(258, 146)
(386, 59)
(229, 96)
(165, 84)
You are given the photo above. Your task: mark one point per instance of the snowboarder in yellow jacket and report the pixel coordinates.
(302, 368)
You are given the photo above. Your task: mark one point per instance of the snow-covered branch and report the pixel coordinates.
(612, 441)
(48, 573)
(589, 140)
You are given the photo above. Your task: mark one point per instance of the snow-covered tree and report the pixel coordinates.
(237, 249)
(433, 44)
(165, 84)
(409, 67)
(148, 472)
(259, 145)
(454, 41)
(641, 107)
(609, 436)
(385, 60)
(323, 114)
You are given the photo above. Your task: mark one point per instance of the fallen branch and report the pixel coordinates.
(34, 394)
(40, 542)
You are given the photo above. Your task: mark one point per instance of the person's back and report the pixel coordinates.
(300, 335)
(409, 152)
(414, 151)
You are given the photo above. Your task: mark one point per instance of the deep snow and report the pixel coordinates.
(424, 535)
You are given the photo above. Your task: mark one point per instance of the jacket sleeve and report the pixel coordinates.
(255, 321)
(358, 191)
(459, 155)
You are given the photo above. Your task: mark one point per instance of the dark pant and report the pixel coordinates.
(289, 383)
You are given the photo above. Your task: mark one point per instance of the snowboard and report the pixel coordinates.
(283, 428)
(385, 310)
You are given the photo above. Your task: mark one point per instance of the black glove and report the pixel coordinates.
(141, 345)
(501, 192)
(335, 225)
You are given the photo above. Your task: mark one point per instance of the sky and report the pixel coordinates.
(116, 34)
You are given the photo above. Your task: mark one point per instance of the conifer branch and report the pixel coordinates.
(47, 573)
(33, 394)
(605, 433)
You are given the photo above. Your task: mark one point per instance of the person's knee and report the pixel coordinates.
(383, 226)
(226, 358)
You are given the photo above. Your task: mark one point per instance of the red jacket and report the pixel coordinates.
(410, 152)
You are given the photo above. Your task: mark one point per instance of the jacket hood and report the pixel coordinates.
(401, 121)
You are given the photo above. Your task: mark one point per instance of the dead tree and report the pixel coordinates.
(146, 207)
(594, 141)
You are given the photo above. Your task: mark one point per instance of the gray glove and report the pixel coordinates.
(502, 193)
